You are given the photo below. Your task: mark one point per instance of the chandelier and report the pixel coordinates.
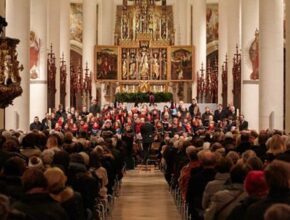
(9, 68)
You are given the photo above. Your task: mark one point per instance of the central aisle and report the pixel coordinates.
(144, 196)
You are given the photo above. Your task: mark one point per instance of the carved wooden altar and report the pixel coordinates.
(144, 58)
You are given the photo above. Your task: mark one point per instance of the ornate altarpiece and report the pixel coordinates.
(144, 58)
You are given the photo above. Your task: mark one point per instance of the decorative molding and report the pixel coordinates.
(38, 81)
(254, 82)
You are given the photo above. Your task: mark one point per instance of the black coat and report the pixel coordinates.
(258, 209)
(95, 109)
(74, 207)
(147, 131)
(244, 146)
(243, 125)
(239, 212)
(41, 206)
(219, 115)
(196, 186)
(284, 156)
(36, 126)
(11, 186)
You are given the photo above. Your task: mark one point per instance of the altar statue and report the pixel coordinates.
(144, 66)
(155, 67)
(118, 88)
(124, 69)
(132, 70)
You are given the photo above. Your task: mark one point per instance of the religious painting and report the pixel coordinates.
(212, 24)
(106, 63)
(182, 63)
(144, 63)
(76, 22)
(34, 55)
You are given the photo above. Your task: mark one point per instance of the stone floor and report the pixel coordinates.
(144, 196)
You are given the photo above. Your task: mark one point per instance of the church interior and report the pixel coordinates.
(219, 52)
(144, 109)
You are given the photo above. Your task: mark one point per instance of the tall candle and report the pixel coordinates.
(49, 111)
(238, 112)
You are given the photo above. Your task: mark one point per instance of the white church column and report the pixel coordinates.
(17, 16)
(271, 64)
(249, 88)
(107, 26)
(287, 81)
(90, 36)
(233, 39)
(199, 37)
(223, 39)
(38, 87)
(54, 40)
(65, 44)
(182, 22)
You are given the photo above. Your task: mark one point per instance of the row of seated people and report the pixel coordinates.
(175, 118)
(232, 176)
(57, 176)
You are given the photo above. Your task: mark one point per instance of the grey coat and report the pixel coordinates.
(234, 193)
(213, 187)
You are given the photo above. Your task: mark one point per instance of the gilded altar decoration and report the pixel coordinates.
(144, 18)
(9, 68)
(144, 56)
(254, 56)
(106, 63)
(182, 63)
(144, 63)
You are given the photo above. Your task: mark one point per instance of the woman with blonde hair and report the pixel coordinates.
(276, 146)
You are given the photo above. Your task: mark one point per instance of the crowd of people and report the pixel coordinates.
(71, 159)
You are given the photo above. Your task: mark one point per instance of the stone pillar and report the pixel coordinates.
(287, 80)
(271, 64)
(233, 39)
(249, 88)
(65, 44)
(223, 38)
(199, 37)
(107, 26)
(38, 87)
(90, 36)
(54, 40)
(182, 22)
(17, 16)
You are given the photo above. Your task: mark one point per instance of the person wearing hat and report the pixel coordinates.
(70, 200)
(256, 187)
